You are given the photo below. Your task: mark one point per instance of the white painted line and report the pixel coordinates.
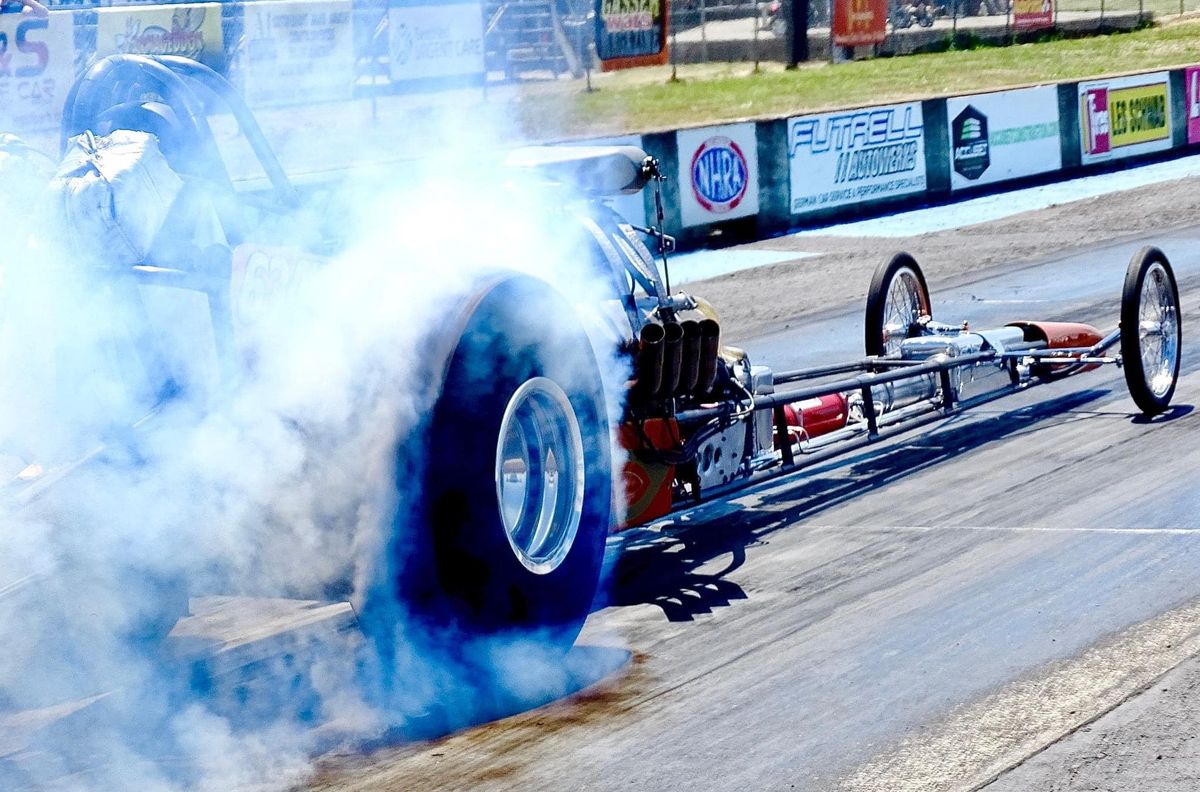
(1015, 529)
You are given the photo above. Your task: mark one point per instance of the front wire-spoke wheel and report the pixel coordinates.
(1151, 330)
(897, 303)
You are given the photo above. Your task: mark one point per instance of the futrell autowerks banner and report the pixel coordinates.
(855, 155)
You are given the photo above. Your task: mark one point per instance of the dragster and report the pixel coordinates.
(528, 473)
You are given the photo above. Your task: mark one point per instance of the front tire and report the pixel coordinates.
(1151, 330)
(896, 302)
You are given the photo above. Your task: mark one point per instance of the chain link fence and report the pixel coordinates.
(552, 38)
(757, 30)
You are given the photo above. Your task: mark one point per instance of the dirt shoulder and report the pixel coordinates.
(767, 298)
(1147, 743)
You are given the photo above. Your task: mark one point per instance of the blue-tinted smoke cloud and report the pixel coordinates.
(283, 486)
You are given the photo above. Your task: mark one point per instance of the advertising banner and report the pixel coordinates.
(1032, 14)
(37, 67)
(631, 33)
(297, 52)
(853, 156)
(436, 44)
(718, 173)
(1191, 81)
(192, 30)
(857, 23)
(1124, 116)
(1005, 135)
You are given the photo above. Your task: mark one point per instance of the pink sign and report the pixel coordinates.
(1191, 79)
(1094, 114)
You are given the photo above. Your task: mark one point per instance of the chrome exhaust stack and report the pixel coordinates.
(648, 363)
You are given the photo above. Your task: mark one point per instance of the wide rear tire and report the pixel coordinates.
(503, 534)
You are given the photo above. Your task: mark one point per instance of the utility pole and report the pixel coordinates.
(797, 31)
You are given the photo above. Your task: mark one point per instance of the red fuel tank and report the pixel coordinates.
(815, 417)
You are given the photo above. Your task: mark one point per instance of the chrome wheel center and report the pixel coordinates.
(1158, 331)
(901, 309)
(540, 474)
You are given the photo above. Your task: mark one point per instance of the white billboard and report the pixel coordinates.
(718, 173)
(297, 52)
(1004, 135)
(852, 156)
(37, 67)
(436, 43)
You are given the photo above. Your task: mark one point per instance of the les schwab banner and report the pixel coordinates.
(835, 159)
(37, 67)
(857, 23)
(1124, 116)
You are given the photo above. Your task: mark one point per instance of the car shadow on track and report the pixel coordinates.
(674, 568)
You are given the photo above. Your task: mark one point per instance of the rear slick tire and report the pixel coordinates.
(516, 492)
(1151, 330)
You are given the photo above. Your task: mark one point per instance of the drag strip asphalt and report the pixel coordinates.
(921, 614)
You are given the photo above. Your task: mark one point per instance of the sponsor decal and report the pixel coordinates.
(842, 158)
(858, 23)
(1191, 81)
(264, 278)
(1031, 14)
(1138, 114)
(184, 36)
(403, 45)
(1095, 121)
(717, 174)
(1124, 116)
(720, 174)
(969, 153)
(630, 32)
(1025, 134)
(190, 31)
(36, 70)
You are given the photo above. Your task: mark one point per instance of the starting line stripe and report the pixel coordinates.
(1015, 529)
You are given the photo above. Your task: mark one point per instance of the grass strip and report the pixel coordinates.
(645, 100)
